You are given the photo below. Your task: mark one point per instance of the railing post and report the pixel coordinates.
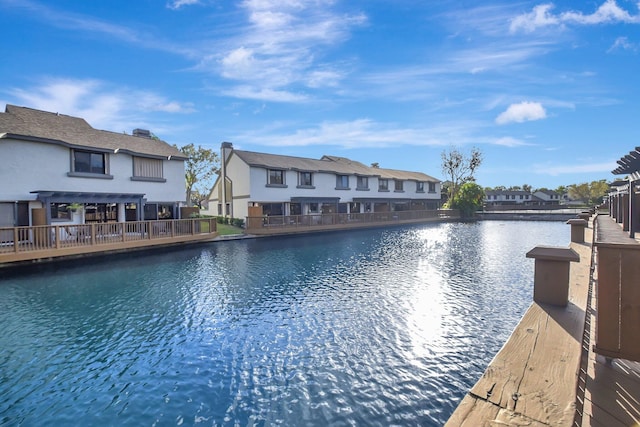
(57, 237)
(577, 229)
(16, 239)
(551, 277)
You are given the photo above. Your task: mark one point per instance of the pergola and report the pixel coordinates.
(623, 198)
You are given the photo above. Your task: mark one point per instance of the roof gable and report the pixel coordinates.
(23, 123)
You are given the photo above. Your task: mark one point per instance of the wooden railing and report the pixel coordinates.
(344, 220)
(618, 292)
(51, 237)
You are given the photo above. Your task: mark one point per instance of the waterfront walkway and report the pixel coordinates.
(547, 373)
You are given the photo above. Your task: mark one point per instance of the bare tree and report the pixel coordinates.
(459, 167)
(200, 167)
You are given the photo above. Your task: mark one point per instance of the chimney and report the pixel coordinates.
(225, 150)
(142, 133)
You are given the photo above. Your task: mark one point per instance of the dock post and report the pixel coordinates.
(551, 278)
(577, 229)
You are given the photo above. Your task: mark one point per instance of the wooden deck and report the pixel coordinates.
(547, 373)
(19, 245)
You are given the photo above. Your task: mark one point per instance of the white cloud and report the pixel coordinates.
(264, 94)
(508, 141)
(80, 22)
(541, 16)
(282, 45)
(99, 103)
(522, 112)
(623, 43)
(177, 4)
(362, 133)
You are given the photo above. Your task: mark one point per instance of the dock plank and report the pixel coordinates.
(533, 378)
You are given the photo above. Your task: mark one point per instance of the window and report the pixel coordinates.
(342, 182)
(276, 177)
(432, 187)
(419, 187)
(60, 211)
(398, 185)
(521, 197)
(363, 183)
(305, 179)
(145, 169)
(383, 185)
(88, 162)
(273, 209)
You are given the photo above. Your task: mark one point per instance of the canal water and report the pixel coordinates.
(371, 327)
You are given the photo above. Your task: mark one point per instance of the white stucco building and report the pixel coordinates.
(53, 163)
(287, 185)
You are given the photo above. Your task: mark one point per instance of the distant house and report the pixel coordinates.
(274, 185)
(520, 199)
(507, 197)
(52, 164)
(548, 197)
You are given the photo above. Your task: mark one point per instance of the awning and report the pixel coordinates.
(315, 199)
(379, 200)
(87, 197)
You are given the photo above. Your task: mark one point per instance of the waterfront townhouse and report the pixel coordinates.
(260, 184)
(547, 197)
(57, 169)
(507, 197)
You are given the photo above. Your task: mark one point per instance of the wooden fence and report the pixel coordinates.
(257, 224)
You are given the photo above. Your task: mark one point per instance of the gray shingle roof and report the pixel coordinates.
(332, 164)
(29, 124)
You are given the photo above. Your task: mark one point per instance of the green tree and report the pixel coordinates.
(599, 189)
(459, 167)
(468, 199)
(200, 168)
(589, 193)
(527, 188)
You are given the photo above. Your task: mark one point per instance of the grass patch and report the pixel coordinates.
(225, 229)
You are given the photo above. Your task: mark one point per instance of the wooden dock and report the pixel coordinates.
(547, 374)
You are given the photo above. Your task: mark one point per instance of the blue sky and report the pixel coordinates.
(549, 92)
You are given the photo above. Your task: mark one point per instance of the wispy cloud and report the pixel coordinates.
(623, 43)
(282, 45)
(103, 105)
(508, 141)
(81, 22)
(177, 4)
(364, 133)
(542, 16)
(522, 112)
(264, 94)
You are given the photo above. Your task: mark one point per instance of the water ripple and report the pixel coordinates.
(376, 327)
